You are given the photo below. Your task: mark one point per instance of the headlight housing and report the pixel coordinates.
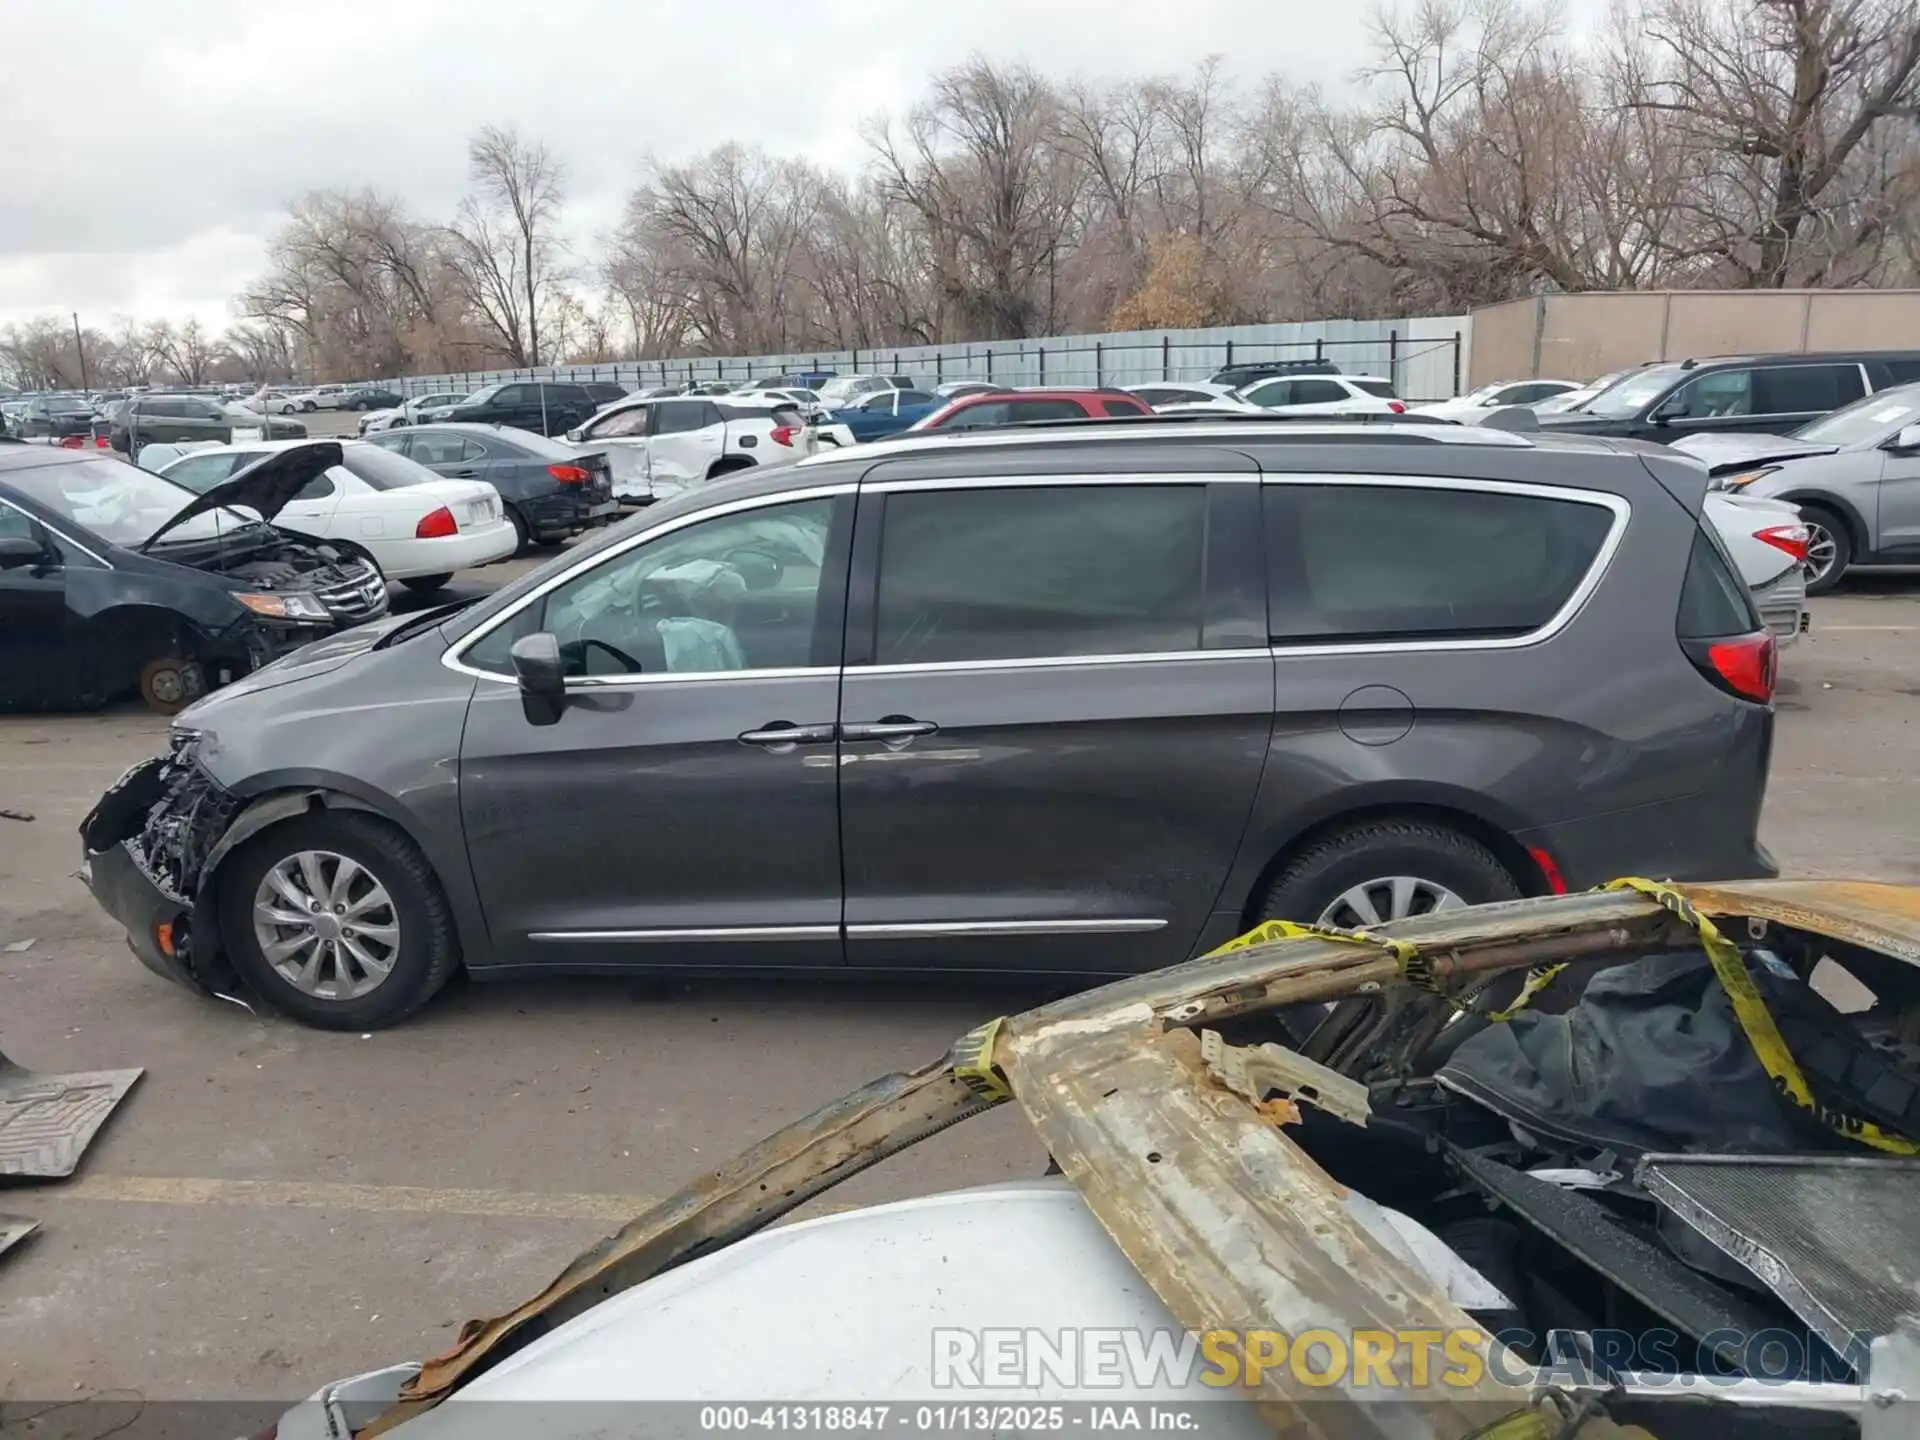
(1743, 478)
(296, 605)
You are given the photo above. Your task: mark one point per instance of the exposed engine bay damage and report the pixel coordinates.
(170, 814)
(1617, 1277)
(291, 562)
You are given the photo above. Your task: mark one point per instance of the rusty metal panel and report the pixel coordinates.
(1237, 1230)
(47, 1121)
(1861, 912)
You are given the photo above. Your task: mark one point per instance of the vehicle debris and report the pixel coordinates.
(1330, 1225)
(48, 1121)
(14, 1229)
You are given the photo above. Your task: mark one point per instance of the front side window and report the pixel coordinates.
(382, 470)
(1038, 572)
(1272, 393)
(516, 395)
(1719, 395)
(1359, 563)
(623, 424)
(738, 592)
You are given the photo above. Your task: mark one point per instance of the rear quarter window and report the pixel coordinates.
(1363, 562)
(1713, 601)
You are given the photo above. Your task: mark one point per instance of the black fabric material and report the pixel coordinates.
(1651, 1059)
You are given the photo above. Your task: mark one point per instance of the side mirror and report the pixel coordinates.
(543, 679)
(576, 434)
(21, 550)
(1907, 441)
(1668, 410)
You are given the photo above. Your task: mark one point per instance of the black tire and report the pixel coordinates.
(427, 584)
(1315, 878)
(429, 948)
(522, 536)
(1824, 522)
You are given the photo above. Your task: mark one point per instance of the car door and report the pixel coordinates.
(447, 453)
(622, 437)
(314, 509)
(37, 656)
(683, 808)
(1897, 503)
(685, 438)
(1054, 716)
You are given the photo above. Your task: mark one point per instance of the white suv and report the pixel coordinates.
(321, 397)
(660, 447)
(1323, 395)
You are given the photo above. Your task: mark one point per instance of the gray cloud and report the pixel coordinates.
(153, 148)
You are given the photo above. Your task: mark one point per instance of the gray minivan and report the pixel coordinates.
(1076, 700)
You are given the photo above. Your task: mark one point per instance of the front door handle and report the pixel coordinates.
(895, 731)
(784, 735)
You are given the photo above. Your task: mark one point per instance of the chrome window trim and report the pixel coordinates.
(1070, 478)
(1058, 662)
(85, 550)
(1618, 505)
(694, 933)
(451, 657)
(952, 929)
(913, 443)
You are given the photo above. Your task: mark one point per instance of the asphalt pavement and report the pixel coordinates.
(274, 1207)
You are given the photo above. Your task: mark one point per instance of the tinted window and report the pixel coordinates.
(915, 397)
(1388, 562)
(1025, 573)
(1274, 392)
(1903, 371)
(1713, 601)
(675, 417)
(1784, 389)
(882, 402)
(1381, 389)
(1320, 392)
(384, 471)
(1122, 407)
(318, 488)
(738, 592)
(484, 395)
(516, 395)
(1022, 411)
(166, 409)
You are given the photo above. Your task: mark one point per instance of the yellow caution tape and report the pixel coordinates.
(1757, 1021)
(973, 1062)
(1413, 965)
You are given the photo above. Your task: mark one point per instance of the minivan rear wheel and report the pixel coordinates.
(1385, 870)
(1377, 871)
(338, 921)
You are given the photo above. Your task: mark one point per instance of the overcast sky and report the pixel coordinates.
(152, 146)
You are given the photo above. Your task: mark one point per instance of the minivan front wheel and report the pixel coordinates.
(337, 921)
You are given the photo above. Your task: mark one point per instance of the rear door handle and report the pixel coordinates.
(895, 731)
(785, 735)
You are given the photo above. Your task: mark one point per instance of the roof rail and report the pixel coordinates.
(1199, 416)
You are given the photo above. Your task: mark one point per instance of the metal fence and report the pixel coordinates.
(1425, 358)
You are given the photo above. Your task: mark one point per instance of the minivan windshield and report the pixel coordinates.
(1867, 419)
(1632, 393)
(120, 503)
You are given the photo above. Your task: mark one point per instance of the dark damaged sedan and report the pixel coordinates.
(113, 579)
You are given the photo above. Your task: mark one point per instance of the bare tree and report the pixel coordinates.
(507, 243)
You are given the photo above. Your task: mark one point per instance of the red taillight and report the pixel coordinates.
(70, 442)
(101, 442)
(783, 434)
(1747, 666)
(1793, 539)
(436, 524)
(568, 474)
(1396, 407)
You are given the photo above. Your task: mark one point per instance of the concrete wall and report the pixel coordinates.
(1576, 337)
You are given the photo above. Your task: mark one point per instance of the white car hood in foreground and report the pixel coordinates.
(852, 1308)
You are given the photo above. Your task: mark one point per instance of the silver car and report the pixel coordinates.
(1855, 474)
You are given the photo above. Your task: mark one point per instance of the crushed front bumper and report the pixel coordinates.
(155, 922)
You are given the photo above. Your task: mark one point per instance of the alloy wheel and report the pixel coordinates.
(1390, 897)
(326, 925)
(1822, 551)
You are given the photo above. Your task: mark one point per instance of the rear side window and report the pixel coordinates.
(1028, 573)
(1903, 371)
(384, 470)
(1379, 388)
(1713, 601)
(1021, 411)
(1354, 563)
(1790, 389)
(1123, 407)
(1318, 392)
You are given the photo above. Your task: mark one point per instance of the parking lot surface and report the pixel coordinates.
(273, 1207)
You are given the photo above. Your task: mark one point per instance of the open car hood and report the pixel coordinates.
(266, 486)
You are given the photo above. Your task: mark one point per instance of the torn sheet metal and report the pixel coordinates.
(1251, 1071)
(47, 1121)
(14, 1229)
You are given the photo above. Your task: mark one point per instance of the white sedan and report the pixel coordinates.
(408, 413)
(417, 527)
(1477, 404)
